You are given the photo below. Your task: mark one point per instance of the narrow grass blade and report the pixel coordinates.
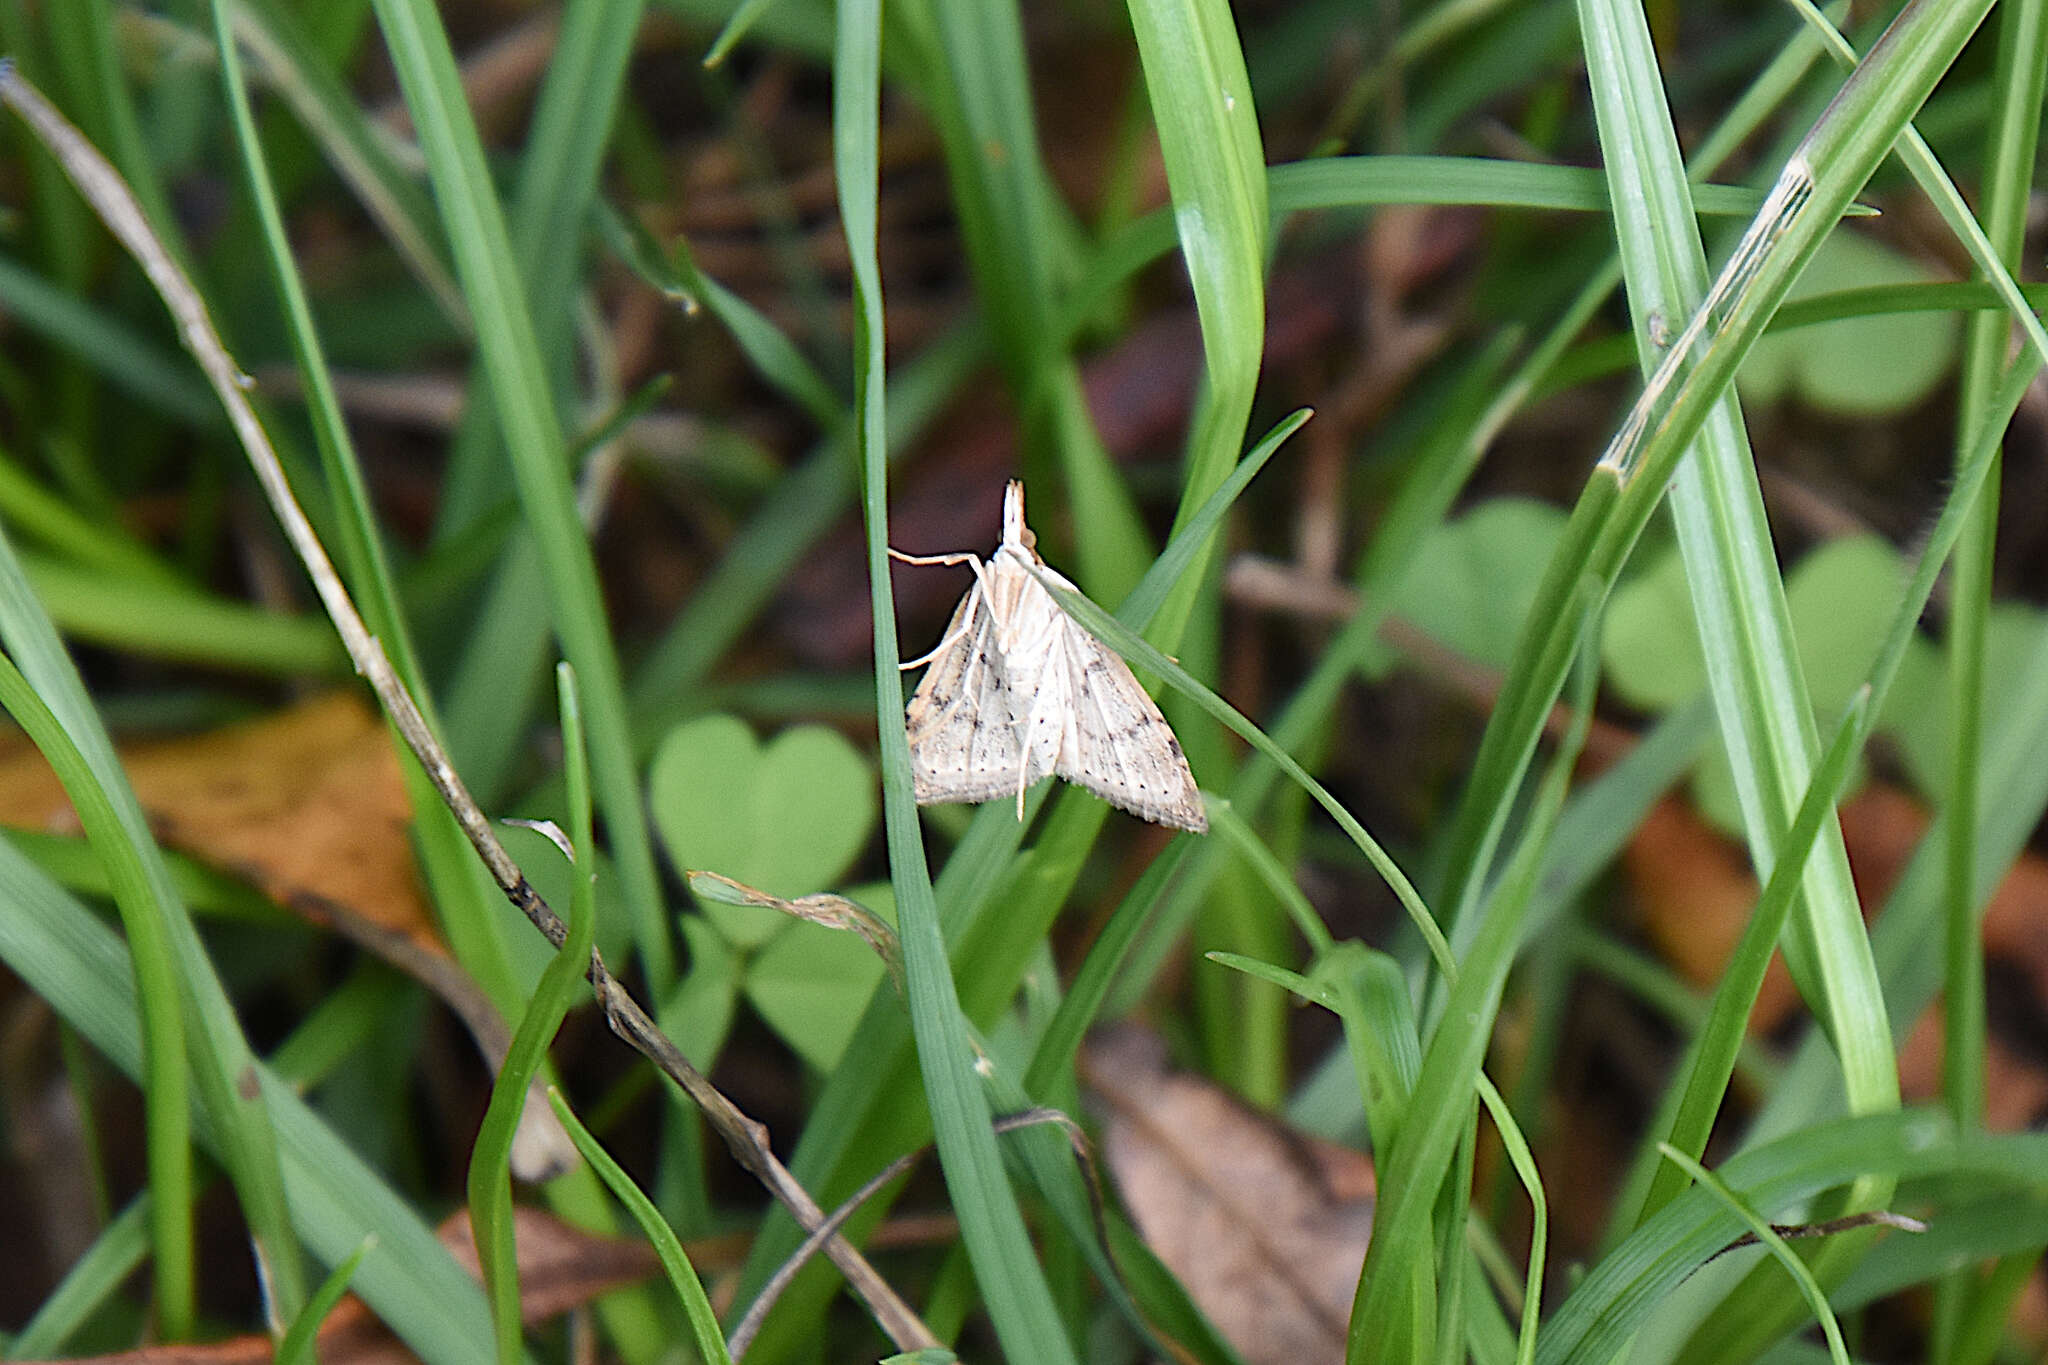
(1019, 238)
(1969, 1310)
(1142, 654)
(1767, 723)
(297, 1346)
(1196, 533)
(125, 358)
(1341, 182)
(1208, 129)
(743, 17)
(1012, 1284)
(704, 1330)
(1524, 1161)
(2004, 194)
(1061, 1040)
(292, 66)
(490, 1189)
(166, 1117)
(767, 347)
(524, 403)
(151, 619)
(92, 1279)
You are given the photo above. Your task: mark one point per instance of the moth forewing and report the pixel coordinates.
(954, 755)
(1123, 749)
(1018, 690)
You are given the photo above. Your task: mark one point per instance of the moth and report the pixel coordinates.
(1018, 691)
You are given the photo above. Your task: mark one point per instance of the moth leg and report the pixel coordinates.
(962, 557)
(951, 636)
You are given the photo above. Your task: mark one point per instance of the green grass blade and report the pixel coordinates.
(1191, 538)
(297, 1346)
(37, 514)
(737, 27)
(2020, 81)
(1524, 1162)
(150, 618)
(776, 358)
(1341, 182)
(1053, 1058)
(1143, 654)
(291, 64)
(1216, 170)
(2022, 77)
(92, 1279)
(1012, 1284)
(1809, 1287)
(82, 968)
(524, 403)
(490, 1162)
(125, 358)
(1017, 233)
(675, 1262)
(497, 682)
(1768, 729)
(1712, 1061)
(166, 1116)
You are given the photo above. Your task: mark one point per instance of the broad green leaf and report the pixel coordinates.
(1472, 580)
(1858, 367)
(698, 1014)
(811, 983)
(787, 817)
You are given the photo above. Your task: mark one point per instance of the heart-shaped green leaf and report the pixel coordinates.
(787, 817)
(698, 1013)
(811, 983)
(1473, 579)
(1861, 367)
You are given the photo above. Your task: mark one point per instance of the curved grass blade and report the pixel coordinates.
(524, 403)
(1143, 654)
(490, 1188)
(166, 1117)
(92, 1279)
(1809, 1287)
(297, 1345)
(1012, 1283)
(675, 1262)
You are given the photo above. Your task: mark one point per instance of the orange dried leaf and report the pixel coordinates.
(306, 804)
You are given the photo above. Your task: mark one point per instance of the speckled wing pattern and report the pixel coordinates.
(1019, 691)
(963, 740)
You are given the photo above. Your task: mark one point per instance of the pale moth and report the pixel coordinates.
(1018, 691)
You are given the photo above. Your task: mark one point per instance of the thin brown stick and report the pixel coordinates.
(747, 1139)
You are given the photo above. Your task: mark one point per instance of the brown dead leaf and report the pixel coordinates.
(306, 804)
(1882, 840)
(1694, 891)
(560, 1268)
(1266, 1227)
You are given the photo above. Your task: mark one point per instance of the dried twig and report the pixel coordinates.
(757, 1313)
(747, 1139)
